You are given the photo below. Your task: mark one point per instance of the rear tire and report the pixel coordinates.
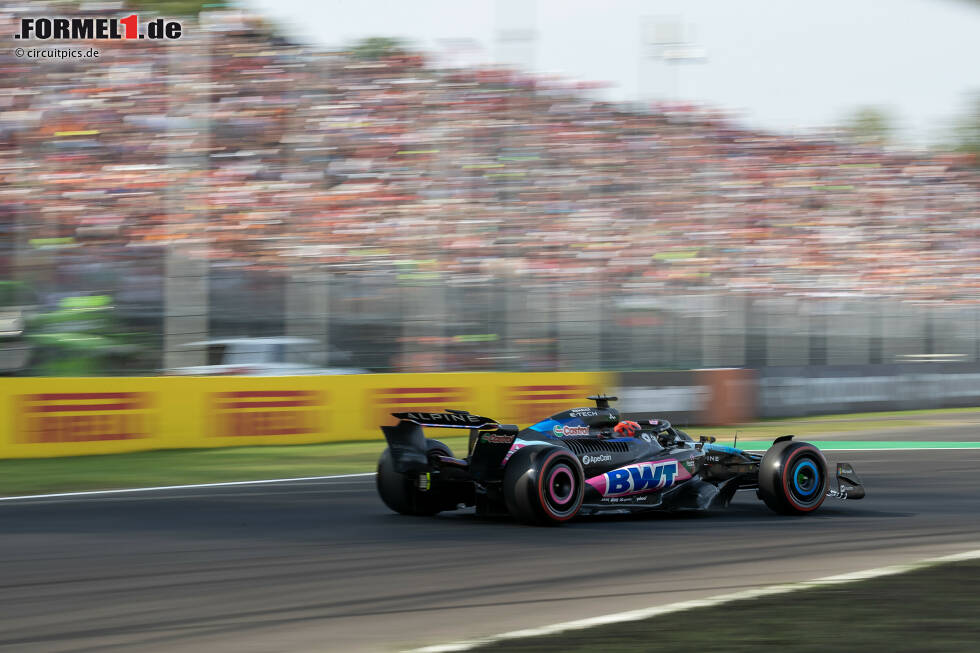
(543, 485)
(793, 478)
(402, 492)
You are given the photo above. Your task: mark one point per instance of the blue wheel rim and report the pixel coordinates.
(805, 478)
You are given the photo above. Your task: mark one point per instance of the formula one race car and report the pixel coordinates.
(586, 461)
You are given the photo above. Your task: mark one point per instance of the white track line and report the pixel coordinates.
(646, 613)
(183, 487)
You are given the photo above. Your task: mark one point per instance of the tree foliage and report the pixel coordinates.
(966, 133)
(870, 126)
(377, 47)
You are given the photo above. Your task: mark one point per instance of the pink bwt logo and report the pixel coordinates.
(639, 478)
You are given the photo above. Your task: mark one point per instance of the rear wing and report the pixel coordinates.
(489, 441)
(452, 419)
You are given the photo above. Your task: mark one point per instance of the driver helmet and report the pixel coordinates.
(627, 429)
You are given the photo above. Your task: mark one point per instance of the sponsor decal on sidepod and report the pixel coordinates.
(639, 478)
(597, 458)
(571, 430)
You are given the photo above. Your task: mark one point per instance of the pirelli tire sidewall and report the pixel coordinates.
(779, 466)
(543, 485)
(401, 492)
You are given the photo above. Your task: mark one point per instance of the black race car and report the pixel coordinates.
(587, 460)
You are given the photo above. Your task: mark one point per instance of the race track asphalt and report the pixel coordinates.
(324, 566)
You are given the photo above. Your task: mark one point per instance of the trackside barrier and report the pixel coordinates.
(707, 397)
(792, 391)
(46, 417)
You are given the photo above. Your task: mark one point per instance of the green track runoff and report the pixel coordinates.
(190, 466)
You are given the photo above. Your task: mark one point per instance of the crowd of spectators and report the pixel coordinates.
(254, 150)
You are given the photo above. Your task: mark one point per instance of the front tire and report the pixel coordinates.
(793, 478)
(404, 493)
(543, 485)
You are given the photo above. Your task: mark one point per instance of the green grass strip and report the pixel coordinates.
(188, 466)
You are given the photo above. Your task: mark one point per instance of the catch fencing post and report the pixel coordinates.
(185, 293)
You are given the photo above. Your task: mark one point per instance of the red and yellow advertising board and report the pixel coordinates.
(46, 417)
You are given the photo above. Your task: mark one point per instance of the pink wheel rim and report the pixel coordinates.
(554, 485)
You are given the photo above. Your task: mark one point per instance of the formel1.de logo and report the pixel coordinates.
(88, 28)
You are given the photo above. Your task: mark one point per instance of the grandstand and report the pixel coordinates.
(265, 157)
